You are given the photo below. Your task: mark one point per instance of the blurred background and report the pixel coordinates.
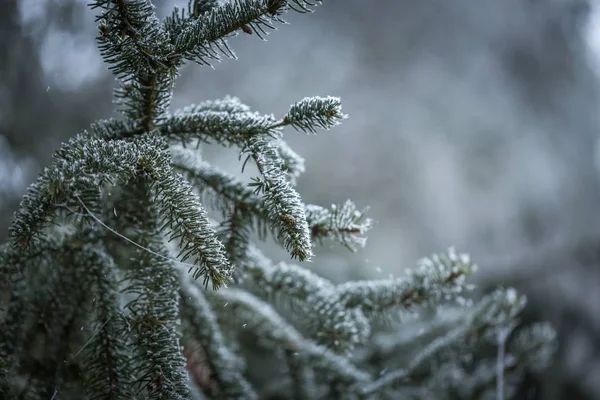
(473, 123)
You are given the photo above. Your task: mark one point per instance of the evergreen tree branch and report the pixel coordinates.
(242, 210)
(131, 39)
(256, 135)
(179, 19)
(197, 8)
(54, 313)
(21, 271)
(436, 278)
(106, 359)
(82, 168)
(311, 113)
(345, 224)
(303, 6)
(229, 104)
(145, 101)
(386, 347)
(282, 203)
(432, 349)
(153, 322)
(266, 323)
(138, 49)
(184, 216)
(303, 378)
(223, 190)
(111, 129)
(226, 377)
(220, 127)
(234, 198)
(284, 206)
(492, 313)
(534, 346)
(529, 350)
(204, 38)
(308, 294)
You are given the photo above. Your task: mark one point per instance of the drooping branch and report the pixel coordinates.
(201, 324)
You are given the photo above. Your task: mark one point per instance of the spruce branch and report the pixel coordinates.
(534, 346)
(138, 50)
(492, 313)
(14, 264)
(81, 169)
(106, 359)
(263, 320)
(226, 380)
(229, 104)
(385, 347)
(110, 129)
(259, 138)
(282, 203)
(303, 6)
(219, 127)
(153, 321)
(529, 351)
(224, 191)
(197, 8)
(303, 379)
(55, 310)
(150, 291)
(235, 230)
(179, 18)
(204, 38)
(441, 277)
(145, 100)
(308, 294)
(227, 193)
(311, 113)
(130, 37)
(344, 224)
(189, 225)
(403, 375)
(22, 271)
(240, 207)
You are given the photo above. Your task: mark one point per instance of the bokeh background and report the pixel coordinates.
(473, 123)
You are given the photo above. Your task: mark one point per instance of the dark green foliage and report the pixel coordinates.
(107, 249)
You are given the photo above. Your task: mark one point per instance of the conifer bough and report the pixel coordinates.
(107, 247)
